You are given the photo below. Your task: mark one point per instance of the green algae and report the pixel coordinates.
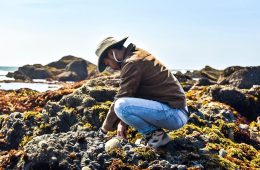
(88, 126)
(32, 114)
(101, 110)
(118, 153)
(145, 153)
(25, 140)
(119, 164)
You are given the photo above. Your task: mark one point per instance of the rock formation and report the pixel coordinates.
(59, 130)
(68, 68)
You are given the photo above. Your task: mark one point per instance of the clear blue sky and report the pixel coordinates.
(181, 34)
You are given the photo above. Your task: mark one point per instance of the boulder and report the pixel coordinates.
(182, 77)
(29, 72)
(247, 105)
(243, 78)
(194, 74)
(67, 76)
(63, 62)
(68, 68)
(206, 72)
(211, 73)
(79, 67)
(204, 82)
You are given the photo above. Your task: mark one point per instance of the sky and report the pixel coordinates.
(187, 34)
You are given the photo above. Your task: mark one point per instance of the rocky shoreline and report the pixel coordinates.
(68, 68)
(58, 129)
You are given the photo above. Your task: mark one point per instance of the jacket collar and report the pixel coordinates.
(129, 50)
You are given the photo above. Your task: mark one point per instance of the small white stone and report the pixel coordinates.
(113, 143)
(85, 168)
(54, 158)
(243, 126)
(222, 152)
(182, 167)
(255, 129)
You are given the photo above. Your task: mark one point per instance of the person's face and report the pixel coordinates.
(110, 62)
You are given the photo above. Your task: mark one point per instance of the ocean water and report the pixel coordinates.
(4, 70)
(39, 85)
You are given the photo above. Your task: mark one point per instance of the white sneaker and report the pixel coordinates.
(155, 139)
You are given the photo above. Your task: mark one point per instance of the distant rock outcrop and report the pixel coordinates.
(241, 77)
(206, 72)
(211, 73)
(68, 68)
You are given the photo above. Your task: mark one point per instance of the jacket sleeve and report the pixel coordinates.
(130, 79)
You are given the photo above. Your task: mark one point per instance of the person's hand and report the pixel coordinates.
(122, 130)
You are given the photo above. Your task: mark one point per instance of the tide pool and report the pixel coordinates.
(41, 87)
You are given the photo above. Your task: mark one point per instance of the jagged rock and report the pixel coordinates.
(194, 74)
(238, 99)
(63, 62)
(67, 76)
(72, 100)
(211, 73)
(68, 68)
(52, 108)
(182, 77)
(206, 72)
(243, 78)
(13, 129)
(103, 94)
(79, 67)
(228, 71)
(204, 82)
(29, 72)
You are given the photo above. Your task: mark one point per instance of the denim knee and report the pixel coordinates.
(119, 107)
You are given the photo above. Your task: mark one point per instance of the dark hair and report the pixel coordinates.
(118, 47)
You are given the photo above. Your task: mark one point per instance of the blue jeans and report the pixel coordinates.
(148, 115)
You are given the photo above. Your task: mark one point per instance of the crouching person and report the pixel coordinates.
(149, 98)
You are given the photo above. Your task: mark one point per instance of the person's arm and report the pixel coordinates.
(130, 78)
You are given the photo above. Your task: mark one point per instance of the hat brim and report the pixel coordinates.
(101, 65)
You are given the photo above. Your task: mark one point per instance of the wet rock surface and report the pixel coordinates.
(59, 130)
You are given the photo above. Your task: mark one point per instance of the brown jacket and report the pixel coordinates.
(143, 76)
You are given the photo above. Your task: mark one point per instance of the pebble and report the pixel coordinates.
(198, 166)
(54, 158)
(100, 157)
(255, 129)
(222, 152)
(182, 167)
(165, 164)
(243, 126)
(86, 168)
(174, 166)
(95, 165)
